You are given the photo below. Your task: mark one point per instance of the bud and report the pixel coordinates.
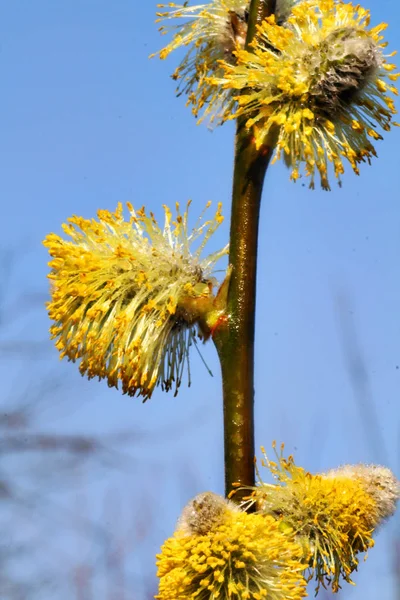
(128, 299)
(202, 513)
(347, 59)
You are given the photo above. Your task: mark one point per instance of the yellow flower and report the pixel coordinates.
(128, 299)
(317, 88)
(333, 515)
(237, 556)
(210, 32)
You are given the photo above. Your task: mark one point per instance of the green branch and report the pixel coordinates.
(235, 343)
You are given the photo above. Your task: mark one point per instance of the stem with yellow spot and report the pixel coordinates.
(235, 341)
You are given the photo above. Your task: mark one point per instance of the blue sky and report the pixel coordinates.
(88, 121)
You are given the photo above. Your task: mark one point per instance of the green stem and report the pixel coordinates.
(235, 342)
(259, 10)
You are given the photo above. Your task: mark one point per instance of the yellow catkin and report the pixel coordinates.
(243, 556)
(379, 482)
(332, 515)
(209, 33)
(127, 296)
(317, 88)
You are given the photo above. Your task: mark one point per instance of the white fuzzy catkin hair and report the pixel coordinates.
(203, 512)
(349, 60)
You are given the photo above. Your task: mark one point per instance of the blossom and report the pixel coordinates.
(210, 32)
(332, 514)
(317, 88)
(128, 299)
(236, 555)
